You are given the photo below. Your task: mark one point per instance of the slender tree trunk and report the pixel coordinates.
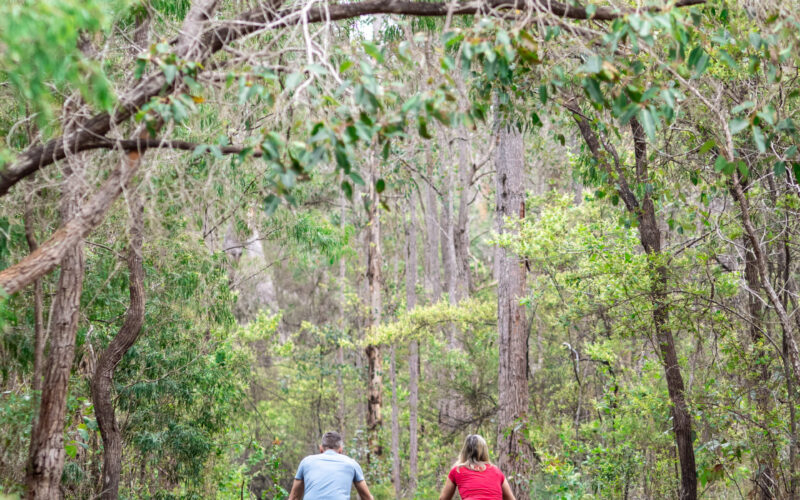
(789, 292)
(103, 380)
(461, 230)
(39, 333)
(374, 361)
(398, 486)
(650, 237)
(46, 459)
(764, 481)
(413, 349)
(432, 273)
(453, 413)
(342, 413)
(761, 265)
(514, 453)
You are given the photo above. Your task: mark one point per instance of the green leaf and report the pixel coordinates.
(737, 125)
(759, 139)
(170, 72)
(373, 50)
(423, 128)
(593, 65)
(356, 178)
(293, 80)
(720, 164)
(779, 168)
(648, 123)
(348, 190)
(592, 89)
(380, 185)
(706, 147)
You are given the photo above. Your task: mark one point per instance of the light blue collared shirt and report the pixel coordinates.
(328, 476)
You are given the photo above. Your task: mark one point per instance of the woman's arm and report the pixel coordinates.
(448, 491)
(507, 493)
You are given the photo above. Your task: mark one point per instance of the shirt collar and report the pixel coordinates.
(330, 452)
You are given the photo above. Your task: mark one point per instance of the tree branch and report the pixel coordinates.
(266, 16)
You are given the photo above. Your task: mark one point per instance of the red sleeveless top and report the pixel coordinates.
(478, 485)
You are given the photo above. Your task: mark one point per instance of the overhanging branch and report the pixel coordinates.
(266, 16)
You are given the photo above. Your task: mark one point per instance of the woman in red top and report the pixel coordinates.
(474, 476)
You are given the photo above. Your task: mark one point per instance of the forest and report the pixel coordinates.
(230, 226)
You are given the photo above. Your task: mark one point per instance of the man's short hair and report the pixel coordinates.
(331, 441)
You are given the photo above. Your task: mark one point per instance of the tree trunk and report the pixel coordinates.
(102, 382)
(46, 458)
(374, 361)
(650, 237)
(398, 486)
(764, 481)
(39, 333)
(342, 411)
(453, 412)
(432, 273)
(461, 230)
(413, 349)
(514, 453)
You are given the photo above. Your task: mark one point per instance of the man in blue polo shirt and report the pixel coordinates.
(329, 475)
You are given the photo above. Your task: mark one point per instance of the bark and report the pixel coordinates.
(46, 458)
(413, 349)
(514, 453)
(374, 361)
(39, 333)
(103, 379)
(789, 292)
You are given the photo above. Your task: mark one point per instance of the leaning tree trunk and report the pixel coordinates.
(102, 381)
(514, 453)
(373, 352)
(413, 348)
(46, 458)
(650, 237)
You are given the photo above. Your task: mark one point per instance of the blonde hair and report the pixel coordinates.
(474, 454)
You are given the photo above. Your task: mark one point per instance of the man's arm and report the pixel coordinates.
(298, 488)
(363, 491)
